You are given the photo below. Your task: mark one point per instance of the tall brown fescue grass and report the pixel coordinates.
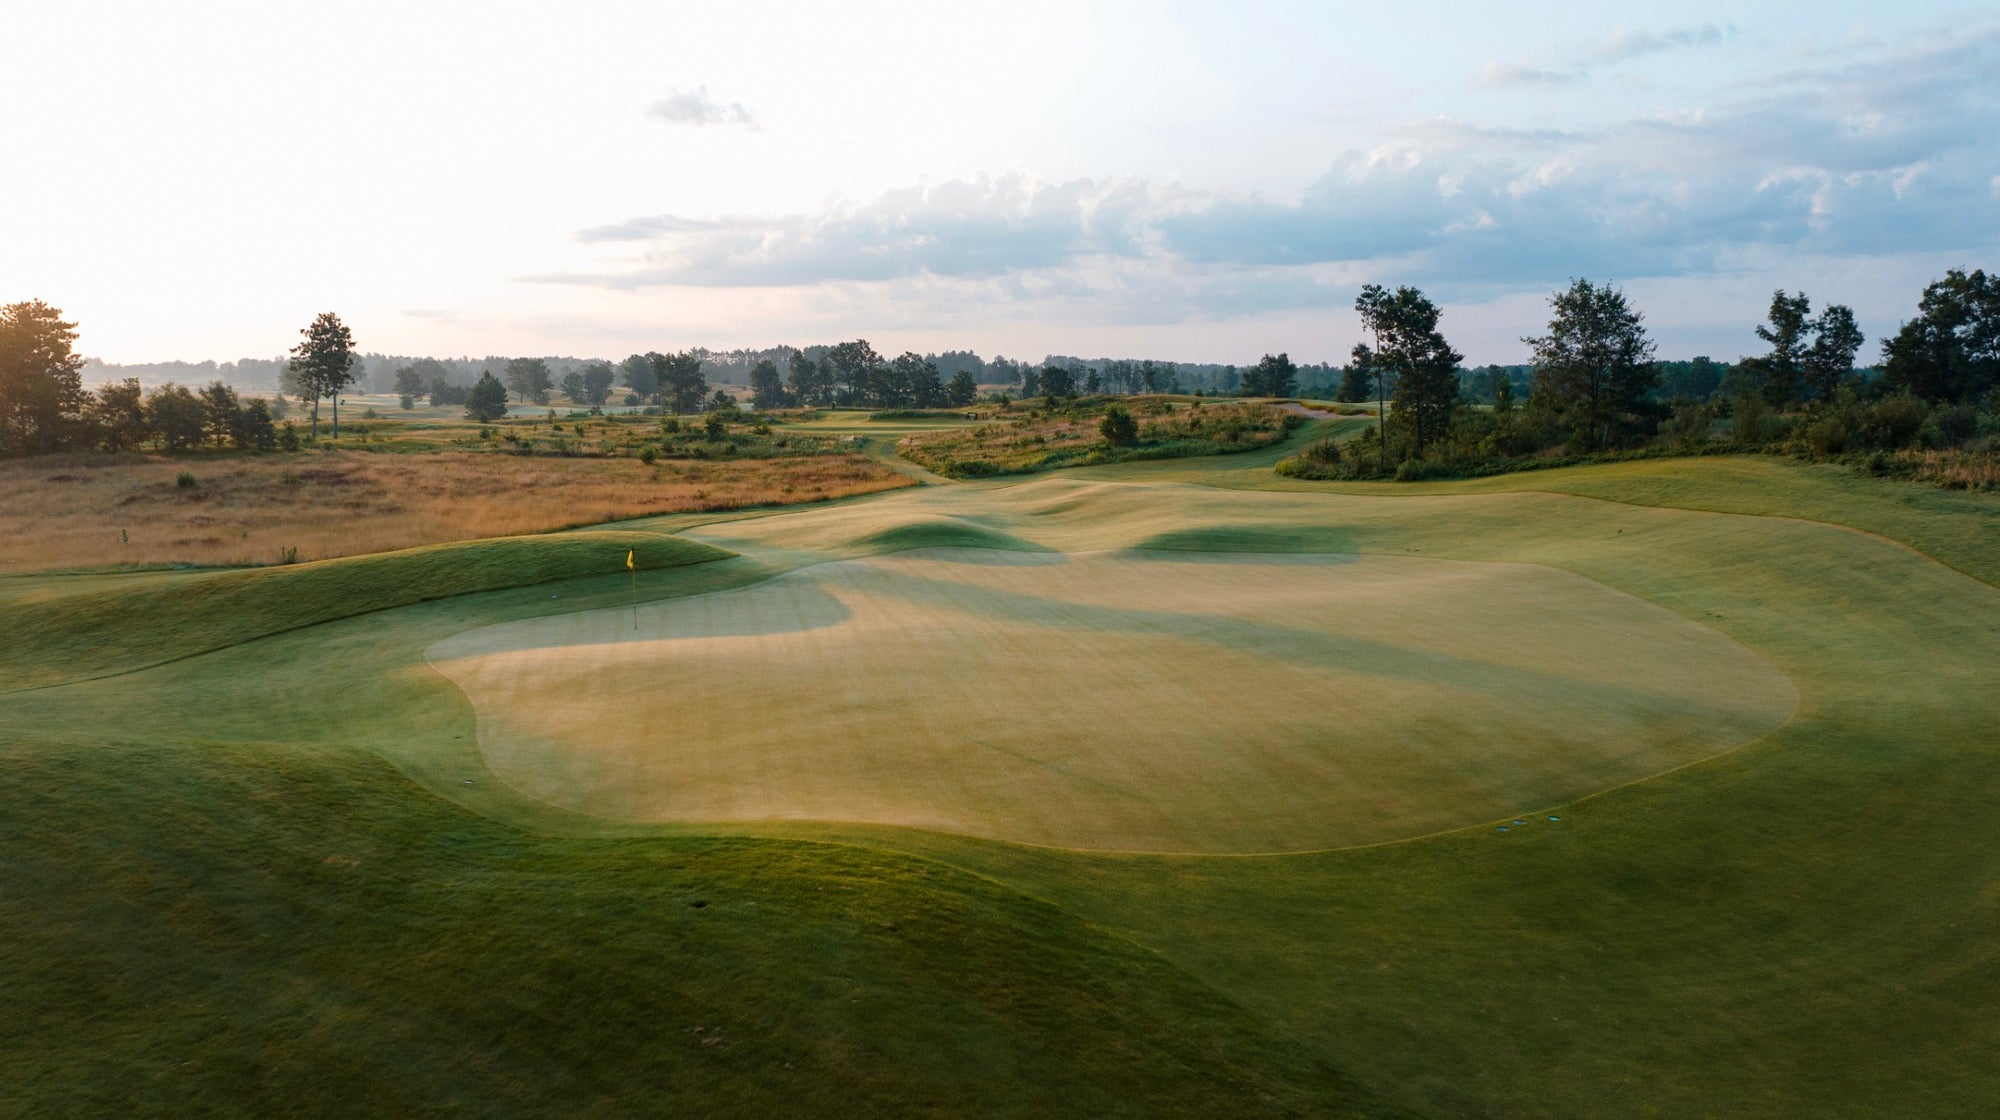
(1956, 470)
(96, 510)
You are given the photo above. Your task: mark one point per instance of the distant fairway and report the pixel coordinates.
(1129, 700)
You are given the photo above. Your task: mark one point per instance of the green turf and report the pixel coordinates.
(1129, 701)
(1806, 926)
(57, 633)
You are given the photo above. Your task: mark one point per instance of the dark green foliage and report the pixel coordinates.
(1357, 381)
(253, 428)
(1781, 370)
(219, 408)
(409, 386)
(767, 388)
(1595, 365)
(810, 383)
(1272, 376)
(1409, 348)
(597, 381)
(682, 385)
(529, 380)
(851, 368)
(487, 399)
(175, 417)
(322, 364)
(1058, 381)
(962, 391)
(41, 380)
(640, 376)
(1118, 427)
(1951, 350)
(118, 415)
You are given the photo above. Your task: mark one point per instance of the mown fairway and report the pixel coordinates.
(302, 865)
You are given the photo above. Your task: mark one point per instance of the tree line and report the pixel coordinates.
(1595, 384)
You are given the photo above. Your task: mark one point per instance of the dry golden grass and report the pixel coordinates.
(1044, 441)
(88, 511)
(1956, 470)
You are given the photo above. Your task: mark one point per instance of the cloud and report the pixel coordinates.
(1883, 157)
(1621, 45)
(1625, 43)
(696, 109)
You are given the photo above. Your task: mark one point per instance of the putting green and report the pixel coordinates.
(1130, 700)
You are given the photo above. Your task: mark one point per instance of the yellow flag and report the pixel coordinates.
(628, 559)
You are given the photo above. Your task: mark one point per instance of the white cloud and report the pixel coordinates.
(695, 108)
(1621, 45)
(1773, 168)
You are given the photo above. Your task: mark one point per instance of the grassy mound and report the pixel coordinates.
(940, 532)
(1251, 538)
(56, 637)
(262, 931)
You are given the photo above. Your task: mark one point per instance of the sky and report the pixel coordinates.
(1198, 182)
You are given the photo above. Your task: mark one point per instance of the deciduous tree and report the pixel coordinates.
(1409, 348)
(1951, 350)
(1274, 375)
(118, 415)
(597, 380)
(175, 416)
(530, 380)
(409, 386)
(323, 364)
(1595, 364)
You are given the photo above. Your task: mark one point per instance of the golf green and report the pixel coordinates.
(1114, 700)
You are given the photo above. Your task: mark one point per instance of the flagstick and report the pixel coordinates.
(635, 598)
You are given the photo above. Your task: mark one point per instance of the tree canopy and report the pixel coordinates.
(41, 379)
(1951, 350)
(323, 363)
(488, 399)
(1595, 365)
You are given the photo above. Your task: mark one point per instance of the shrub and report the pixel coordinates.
(1118, 427)
(186, 481)
(1894, 421)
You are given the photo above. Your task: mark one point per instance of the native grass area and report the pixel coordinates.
(1630, 790)
(136, 510)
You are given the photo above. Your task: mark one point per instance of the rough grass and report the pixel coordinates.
(70, 511)
(1045, 441)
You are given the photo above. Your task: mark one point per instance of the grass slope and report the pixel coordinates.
(251, 930)
(104, 629)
